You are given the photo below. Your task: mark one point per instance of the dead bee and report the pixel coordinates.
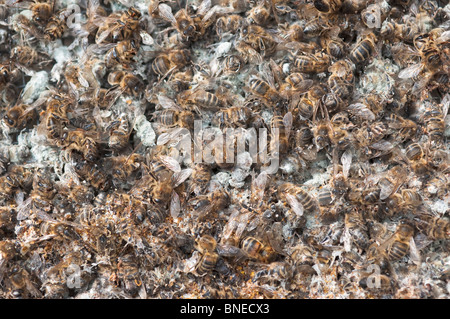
(91, 173)
(355, 225)
(121, 53)
(119, 26)
(434, 227)
(206, 245)
(259, 39)
(128, 274)
(19, 116)
(167, 62)
(364, 48)
(258, 250)
(124, 166)
(297, 198)
(229, 24)
(119, 133)
(124, 82)
(233, 116)
(211, 204)
(200, 177)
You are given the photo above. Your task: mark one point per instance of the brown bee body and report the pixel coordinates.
(364, 49)
(175, 118)
(233, 116)
(256, 249)
(128, 273)
(312, 63)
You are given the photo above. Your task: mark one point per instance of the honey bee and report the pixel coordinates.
(275, 271)
(280, 132)
(214, 202)
(202, 98)
(124, 166)
(258, 250)
(434, 227)
(355, 225)
(308, 104)
(433, 118)
(229, 24)
(189, 27)
(392, 180)
(364, 48)
(27, 56)
(81, 141)
(41, 11)
(206, 245)
(407, 200)
(166, 62)
(119, 133)
(428, 47)
(221, 292)
(128, 273)
(93, 174)
(124, 82)
(200, 177)
(56, 26)
(248, 53)
(9, 73)
(297, 198)
(175, 118)
(407, 129)
(265, 89)
(121, 53)
(19, 116)
(399, 244)
(315, 26)
(233, 64)
(20, 281)
(233, 116)
(259, 14)
(437, 186)
(392, 30)
(331, 43)
(259, 39)
(312, 63)
(119, 26)
(382, 283)
(328, 6)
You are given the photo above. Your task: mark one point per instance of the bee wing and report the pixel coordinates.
(382, 145)
(147, 39)
(167, 103)
(102, 36)
(225, 250)
(267, 74)
(259, 183)
(175, 205)
(360, 110)
(287, 122)
(411, 71)
(181, 176)
(32, 289)
(172, 135)
(24, 209)
(296, 206)
(445, 104)
(171, 163)
(204, 7)
(414, 253)
(166, 12)
(83, 80)
(346, 160)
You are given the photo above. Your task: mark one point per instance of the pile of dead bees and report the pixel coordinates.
(96, 202)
